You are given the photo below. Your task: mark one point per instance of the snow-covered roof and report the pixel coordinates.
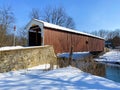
(49, 25)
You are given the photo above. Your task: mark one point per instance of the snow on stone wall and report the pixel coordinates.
(26, 57)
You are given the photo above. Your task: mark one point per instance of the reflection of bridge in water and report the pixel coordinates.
(105, 70)
(86, 64)
(90, 66)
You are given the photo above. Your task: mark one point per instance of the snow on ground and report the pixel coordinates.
(76, 55)
(10, 48)
(68, 78)
(42, 67)
(112, 57)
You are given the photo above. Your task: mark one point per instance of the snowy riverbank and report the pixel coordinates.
(68, 78)
(110, 57)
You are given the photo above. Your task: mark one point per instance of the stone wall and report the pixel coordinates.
(26, 57)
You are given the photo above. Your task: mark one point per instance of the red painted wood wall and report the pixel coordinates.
(63, 40)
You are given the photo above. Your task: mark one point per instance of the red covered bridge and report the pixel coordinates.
(62, 39)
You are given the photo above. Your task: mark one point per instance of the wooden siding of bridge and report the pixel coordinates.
(63, 40)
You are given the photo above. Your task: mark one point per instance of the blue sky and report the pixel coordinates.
(89, 15)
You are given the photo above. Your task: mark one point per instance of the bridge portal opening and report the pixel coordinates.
(35, 37)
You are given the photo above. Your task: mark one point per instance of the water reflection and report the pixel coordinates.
(92, 67)
(109, 71)
(113, 72)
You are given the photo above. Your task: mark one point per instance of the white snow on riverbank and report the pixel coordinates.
(112, 57)
(68, 78)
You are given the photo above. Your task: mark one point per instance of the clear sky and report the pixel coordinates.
(89, 15)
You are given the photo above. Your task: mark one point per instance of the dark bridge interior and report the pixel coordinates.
(35, 36)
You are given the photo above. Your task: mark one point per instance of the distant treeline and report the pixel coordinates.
(112, 37)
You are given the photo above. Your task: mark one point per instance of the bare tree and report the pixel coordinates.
(114, 38)
(116, 41)
(58, 16)
(69, 23)
(101, 33)
(54, 15)
(6, 21)
(21, 38)
(110, 35)
(6, 17)
(116, 33)
(35, 13)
